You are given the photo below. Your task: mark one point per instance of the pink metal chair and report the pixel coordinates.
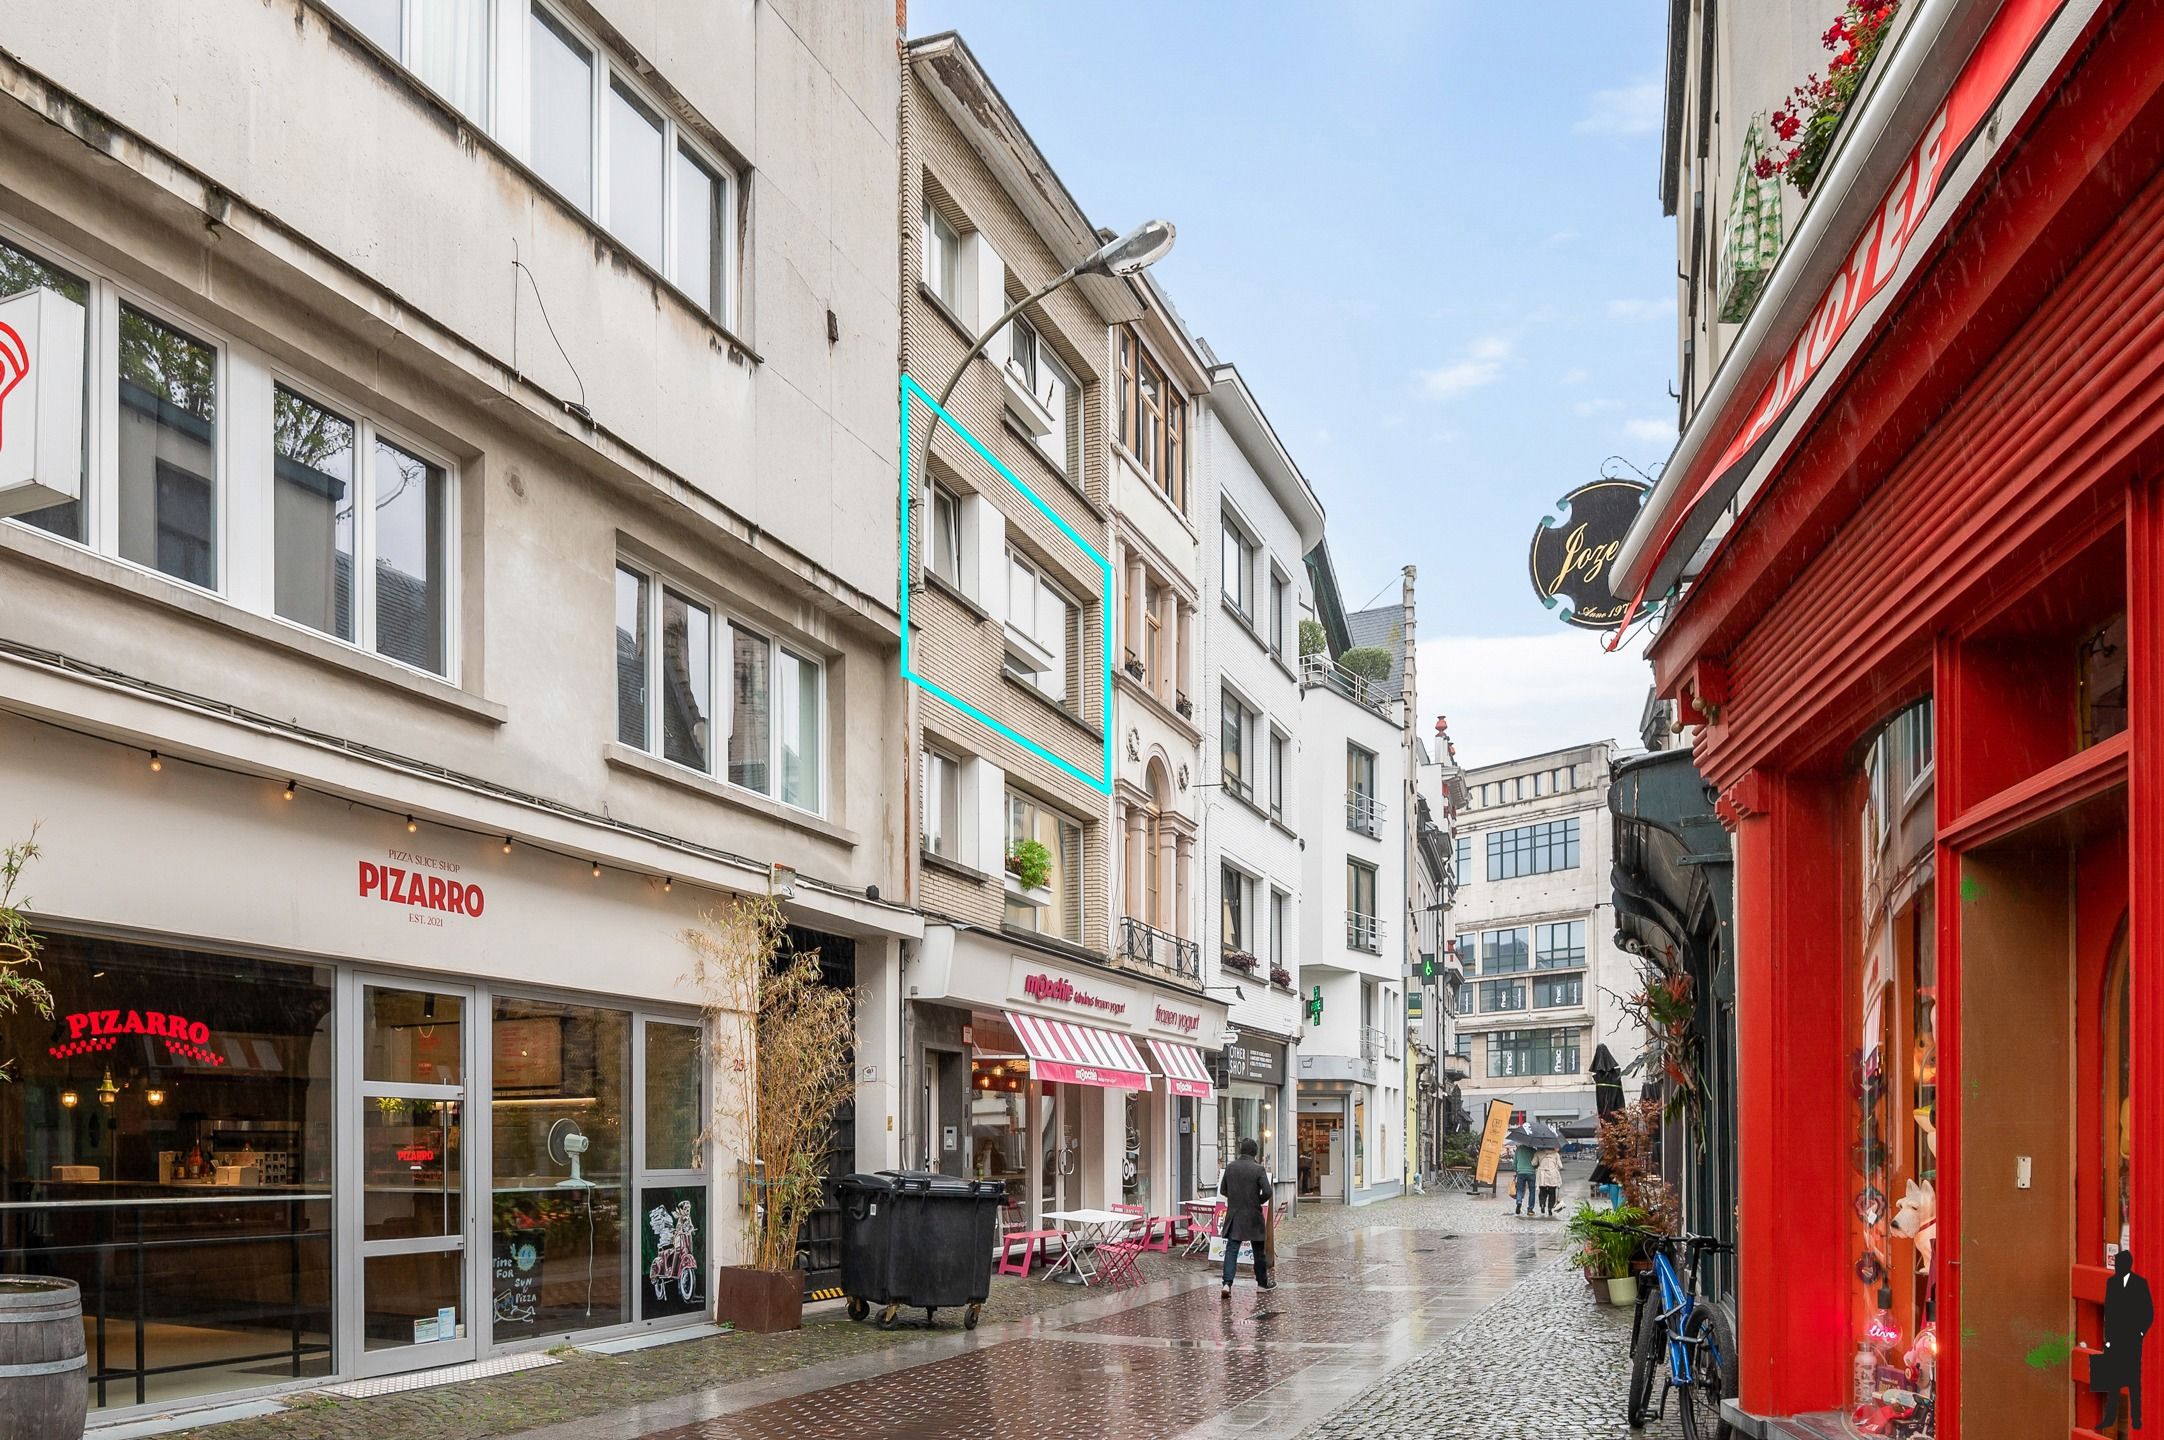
(1116, 1263)
(1036, 1244)
(1204, 1229)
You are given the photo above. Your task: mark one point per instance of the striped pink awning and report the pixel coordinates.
(1184, 1071)
(1080, 1054)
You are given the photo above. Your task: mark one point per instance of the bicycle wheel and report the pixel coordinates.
(1711, 1340)
(1648, 1355)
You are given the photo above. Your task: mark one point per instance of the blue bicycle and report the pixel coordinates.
(1694, 1337)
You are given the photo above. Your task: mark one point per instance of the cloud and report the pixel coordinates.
(1514, 695)
(1573, 377)
(1632, 110)
(1650, 431)
(1602, 406)
(1641, 309)
(1558, 239)
(1481, 364)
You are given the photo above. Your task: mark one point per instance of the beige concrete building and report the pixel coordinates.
(482, 558)
(1052, 588)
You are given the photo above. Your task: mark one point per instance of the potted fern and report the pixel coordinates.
(1029, 872)
(1606, 1248)
(780, 1037)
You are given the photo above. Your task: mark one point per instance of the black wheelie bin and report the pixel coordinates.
(916, 1239)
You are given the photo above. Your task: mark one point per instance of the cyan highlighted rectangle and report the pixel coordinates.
(1102, 782)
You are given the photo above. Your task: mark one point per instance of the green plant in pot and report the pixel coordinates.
(1030, 864)
(780, 1037)
(1606, 1248)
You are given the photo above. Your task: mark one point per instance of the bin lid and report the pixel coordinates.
(931, 1182)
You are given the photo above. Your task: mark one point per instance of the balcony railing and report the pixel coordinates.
(1320, 669)
(1160, 950)
(1371, 1042)
(1363, 932)
(1364, 813)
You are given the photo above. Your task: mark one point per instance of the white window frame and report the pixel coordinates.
(961, 803)
(721, 666)
(934, 216)
(1031, 405)
(1280, 763)
(1240, 599)
(1230, 700)
(1023, 644)
(366, 431)
(940, 491)
(244, 467)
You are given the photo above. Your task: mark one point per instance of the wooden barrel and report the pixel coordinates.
(43, 1380)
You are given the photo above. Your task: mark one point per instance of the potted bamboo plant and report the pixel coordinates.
(780, 1037)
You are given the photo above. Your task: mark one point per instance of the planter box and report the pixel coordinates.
(1038, 895)
(765, 1301)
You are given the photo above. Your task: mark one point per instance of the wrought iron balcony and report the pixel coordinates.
(1145, 944)
(1364, 813)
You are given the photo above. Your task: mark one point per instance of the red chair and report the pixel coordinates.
(1116, 1263)
(1203, 1229)
(1036, 1244)
(1160, 1236)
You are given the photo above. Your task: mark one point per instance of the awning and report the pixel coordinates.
(1079, 1054)
(1185, 1073)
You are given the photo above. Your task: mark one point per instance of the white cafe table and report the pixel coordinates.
(1091, 1228)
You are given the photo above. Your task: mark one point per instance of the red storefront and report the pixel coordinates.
(1925, 642)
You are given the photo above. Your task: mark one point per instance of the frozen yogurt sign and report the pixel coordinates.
(420, 883)
(41, 401)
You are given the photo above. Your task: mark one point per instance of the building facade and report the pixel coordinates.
(1057, 1022)
(1941, 782)
(1535, 933)
(1355, 775)
(1264, 517)
(428, 664)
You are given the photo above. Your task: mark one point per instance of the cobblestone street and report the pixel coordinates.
(1423, 1316)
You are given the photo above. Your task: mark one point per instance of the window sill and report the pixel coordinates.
(620, 756)
(935, 861)
(1244, 622)
(1142, 692)
(1053, 706)
(1052, 468)
(1278, 659)
(175, 596)
(1282, 828)
(1149, 481)
(946, 312)
(954, 592)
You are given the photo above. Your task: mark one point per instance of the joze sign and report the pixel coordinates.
(41, 401)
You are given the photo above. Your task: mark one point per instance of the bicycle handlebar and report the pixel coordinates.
(1707, 1243)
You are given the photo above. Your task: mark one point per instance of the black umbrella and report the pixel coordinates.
(1537, 1135)
(1607, 1083)
(1585, 1128)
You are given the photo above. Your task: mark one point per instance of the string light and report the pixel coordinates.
(289, 789)
(597, 869)
(411, 825)
(155, 762)
(667, 884)
(506, 844)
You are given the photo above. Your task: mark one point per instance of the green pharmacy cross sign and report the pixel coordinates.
(1314, 1007)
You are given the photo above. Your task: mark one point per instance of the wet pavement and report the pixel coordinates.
(1170, 1358)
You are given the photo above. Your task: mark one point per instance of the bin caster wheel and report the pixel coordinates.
(929, 1313)
(858, 1309)
(886, 1317)
(969, 1317)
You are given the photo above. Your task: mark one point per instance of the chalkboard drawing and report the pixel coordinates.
(518, 1263)
(676, 1256)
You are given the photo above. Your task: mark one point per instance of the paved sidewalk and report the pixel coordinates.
(1367, 1291)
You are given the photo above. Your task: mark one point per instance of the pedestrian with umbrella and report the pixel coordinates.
(1521, 1167)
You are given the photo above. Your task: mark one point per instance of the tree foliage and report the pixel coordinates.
(19, 943)
(1369, 662)
(780, 1038)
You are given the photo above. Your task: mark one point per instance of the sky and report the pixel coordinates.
(1429, 235)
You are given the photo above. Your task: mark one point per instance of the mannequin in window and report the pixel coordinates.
(2128, 1314)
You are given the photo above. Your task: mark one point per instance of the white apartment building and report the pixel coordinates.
(1356, 795)
(404, 670)
(1264, 519)
(1533, 926)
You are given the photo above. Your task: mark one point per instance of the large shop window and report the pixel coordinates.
(1893, 1091)
(362, 545)
(559, 1108)
(166, 1143)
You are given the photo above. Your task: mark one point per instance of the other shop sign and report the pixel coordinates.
(1571, 557)
(420, 883)
(41, 401)
(1059, 990)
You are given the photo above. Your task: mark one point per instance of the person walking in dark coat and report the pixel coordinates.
(1245, 1189)
(2128, 1314)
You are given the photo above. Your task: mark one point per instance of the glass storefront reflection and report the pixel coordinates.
(561, 1187)
(202, 1083)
